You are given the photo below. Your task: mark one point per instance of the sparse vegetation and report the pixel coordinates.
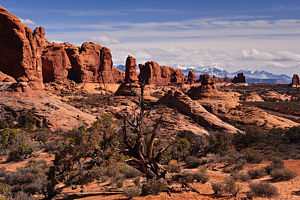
(262, 189)
(282, 175)
(243, 177)
(154, 186)
(218, 188)
(232, 187)
(257, 173)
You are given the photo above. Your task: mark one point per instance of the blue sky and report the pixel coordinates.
(233, 34)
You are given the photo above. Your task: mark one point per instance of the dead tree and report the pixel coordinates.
(141, 152)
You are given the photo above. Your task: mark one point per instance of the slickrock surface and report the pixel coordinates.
(193, 109)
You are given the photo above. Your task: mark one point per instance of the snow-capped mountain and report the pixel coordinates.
(217, 71)
(260, 76)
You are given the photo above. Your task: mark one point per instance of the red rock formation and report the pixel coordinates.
(18, 50)
(206, 89)
(239, 78)
(191, 78)
(41, 41)
(152, 73)
(55, 63)
(119, 75)
(131, 76)
(295, 81)
(91, 63)
(193, 109)
(6, 78)
(177, 77)
(130, 87)
(227, 80)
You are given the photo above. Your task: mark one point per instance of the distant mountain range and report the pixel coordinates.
(259, 76)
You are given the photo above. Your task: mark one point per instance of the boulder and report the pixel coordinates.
(295, 81)
(6, 78)
(239, 78)
(187, 106)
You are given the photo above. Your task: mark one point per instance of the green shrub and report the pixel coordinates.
(154, 186)
(253, 156)
(257, 173)
(219, 142)
(27, 120)
(22, 147)
(282, 175)
(179, 149)
(262, 189)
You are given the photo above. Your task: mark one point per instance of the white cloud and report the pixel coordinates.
(27, 21)
(104, 40)
(232, 43)
(254, 54)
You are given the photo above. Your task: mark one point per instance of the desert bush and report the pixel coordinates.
(22, 147)
(130, 172)
(154, 186)
(250, 137)
(23, 196)
(16, 143)
(86, 155)
(231, 187)
(282, 175)
(194, 162)
(27, 120)
(253, 156)
(6, 120)
(201, 176)
(243, 177)
(219, 142)
(240, 164)
(173, 168)
(257, 173)
(293, 134)
(5, 191)
(41, 135)
(218, 188)
(198, 144)
(179, 149)
(262, 189)
(132, 192)
(137, 181)
(276, 164)
(30, 179)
